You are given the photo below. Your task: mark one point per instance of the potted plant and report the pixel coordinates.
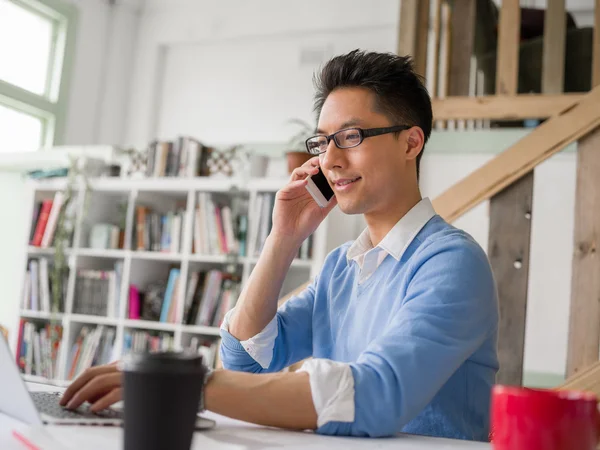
(297, 154)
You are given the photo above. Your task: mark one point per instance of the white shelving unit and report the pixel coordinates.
(140, 265)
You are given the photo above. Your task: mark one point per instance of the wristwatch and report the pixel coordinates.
(207, 375)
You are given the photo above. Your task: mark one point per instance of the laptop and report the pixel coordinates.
(38, 408)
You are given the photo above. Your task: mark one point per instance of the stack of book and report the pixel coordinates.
(262, 217)
(46, 215)
(158, 302)
(92, 347)
(158, 232)
(183, 157)
(207, 348)
(209, 296)
(97, 292)
(37, 289)
(216, 230)
(38, 348)
(145, 341)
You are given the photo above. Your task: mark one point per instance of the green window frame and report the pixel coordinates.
(51, 106)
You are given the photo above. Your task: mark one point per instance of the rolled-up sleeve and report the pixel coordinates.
(285, 340)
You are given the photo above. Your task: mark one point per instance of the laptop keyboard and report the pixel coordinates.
(48, 403)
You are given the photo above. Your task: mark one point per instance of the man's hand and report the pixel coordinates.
(296, 214)
(100, 385)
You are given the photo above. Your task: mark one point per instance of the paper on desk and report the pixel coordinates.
(39, 437)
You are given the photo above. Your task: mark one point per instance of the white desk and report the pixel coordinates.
(228, 435)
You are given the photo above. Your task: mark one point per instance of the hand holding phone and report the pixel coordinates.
(318, 187)
(295, 215)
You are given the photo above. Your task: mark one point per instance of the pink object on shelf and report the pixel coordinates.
(134, 302)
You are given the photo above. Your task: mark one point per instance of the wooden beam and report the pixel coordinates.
(503, 107)
(596, 47)
(508, 251)
(547, 139)
(507, 61)
(407, 30)
(553, 64)
(462, 31)
(584, 319)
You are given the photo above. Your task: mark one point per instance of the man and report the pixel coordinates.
(401, 324)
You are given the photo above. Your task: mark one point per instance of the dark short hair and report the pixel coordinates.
(399, 91)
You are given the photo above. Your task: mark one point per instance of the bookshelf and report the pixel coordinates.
(119, 200)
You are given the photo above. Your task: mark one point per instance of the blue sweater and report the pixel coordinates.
(419, 335)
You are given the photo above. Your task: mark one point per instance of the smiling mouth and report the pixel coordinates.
(346, 182)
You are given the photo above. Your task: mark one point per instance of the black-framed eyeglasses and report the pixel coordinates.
(347, 138)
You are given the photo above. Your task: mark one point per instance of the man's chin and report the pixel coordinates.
(350, 208)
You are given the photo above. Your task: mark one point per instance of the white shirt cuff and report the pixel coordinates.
(332, 390)
(260, 347)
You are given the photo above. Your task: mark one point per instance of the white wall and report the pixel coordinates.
(101, 74)
(242, 65)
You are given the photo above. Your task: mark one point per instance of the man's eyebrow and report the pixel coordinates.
(348, 124)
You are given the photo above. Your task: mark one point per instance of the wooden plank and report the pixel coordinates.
(420, 55)
(508, 251)
(507, 61)
(437, 34)
(407, 30)
(596, 47)
(462, 32)
(444, 56)
(553, 62)
(587, 379)
(545, 140)
(444, 69)
(584, 319)
(412, 32)
(510, 220)
(502, 107)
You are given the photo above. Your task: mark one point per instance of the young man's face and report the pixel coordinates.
(378, 169)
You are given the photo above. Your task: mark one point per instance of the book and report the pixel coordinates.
(36, 214)
(173, 276)
(50, 228)
(38, 348)
(41, 223)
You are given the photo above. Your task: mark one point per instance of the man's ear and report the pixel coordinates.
(415, 139)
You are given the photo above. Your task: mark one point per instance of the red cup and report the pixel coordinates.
(537, 419)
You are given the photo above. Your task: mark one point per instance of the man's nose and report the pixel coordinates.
(333, 156)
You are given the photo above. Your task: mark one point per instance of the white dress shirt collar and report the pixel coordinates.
(398, 238)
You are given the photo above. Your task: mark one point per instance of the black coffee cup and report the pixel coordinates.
(161, 393)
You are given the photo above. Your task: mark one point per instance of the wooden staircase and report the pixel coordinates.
(507, 180)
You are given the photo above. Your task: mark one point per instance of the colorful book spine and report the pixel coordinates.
(41, 223)
(164, 314)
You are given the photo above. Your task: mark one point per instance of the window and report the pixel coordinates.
(36, 41)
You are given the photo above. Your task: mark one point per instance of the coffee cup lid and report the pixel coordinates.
(163, 362)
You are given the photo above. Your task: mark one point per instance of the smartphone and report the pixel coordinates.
(319, 188)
